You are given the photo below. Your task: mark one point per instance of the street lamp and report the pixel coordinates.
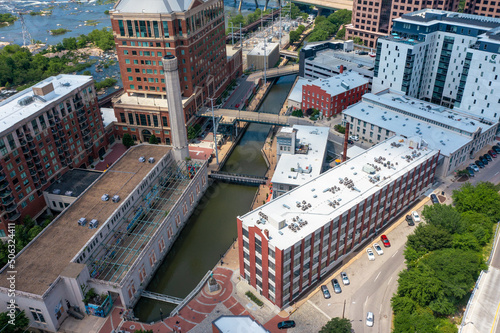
(161, 315)
(215, 130)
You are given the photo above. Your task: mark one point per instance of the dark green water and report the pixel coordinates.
(211, 228)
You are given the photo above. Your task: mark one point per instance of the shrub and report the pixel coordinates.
(254, 298)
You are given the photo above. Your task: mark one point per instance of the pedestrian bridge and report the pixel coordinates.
(161, 297)
(327, 4)
(237, 178)
(290, 54)
(276, 72)
(229, 116)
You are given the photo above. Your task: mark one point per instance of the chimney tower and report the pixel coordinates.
(175, 110)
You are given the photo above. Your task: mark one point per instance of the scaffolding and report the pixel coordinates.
(129, 236)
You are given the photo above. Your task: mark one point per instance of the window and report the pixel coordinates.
(37, 315)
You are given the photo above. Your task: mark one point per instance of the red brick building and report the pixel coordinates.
(332, 95)
(289, 244)
(147, 30)
(49, 128)
(483, 8)
(373, 18)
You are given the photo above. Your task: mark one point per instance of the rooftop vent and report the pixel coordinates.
(151, 160)
(68, 193)
(105, 197)
(82, 221)
(93, 224)
(142, 159)
(115, 198)
(56, 191)
(25, 100)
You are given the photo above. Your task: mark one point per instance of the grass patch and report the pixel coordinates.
(60, 31)
(254, 298)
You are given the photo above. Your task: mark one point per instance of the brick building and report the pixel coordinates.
(332, 95)
(46, 129)
(145, 31)
(287, 245)
(373, 19)
(483, 8)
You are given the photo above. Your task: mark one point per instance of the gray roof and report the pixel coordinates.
(152, 6)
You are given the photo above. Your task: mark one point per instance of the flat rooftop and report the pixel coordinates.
(296, 94)
(334, 58)
(12, 113)
(108, 116)
(259, 49)
(403, 155)
(429, 16)
(442, 128)
(75, 181)
(145, 101)
(340, 83)
(42, 261)
(316, 138)
(238, 324)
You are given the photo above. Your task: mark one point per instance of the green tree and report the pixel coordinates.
(153, 140)
(337, 325)
(426, 238)
(445, 217)
(466, 241)
(143, 331)
(479, 225)
(420, 284)
(127, 140)
(340, 33)
(358, 40)
(340, 17)
(69, 43)
(87, 73)
(21, 322)
(403, 304)
(421, 321)
(481, 198)
(193, 131)
(294, 36)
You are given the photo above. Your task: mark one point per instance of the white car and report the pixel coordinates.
(369, 319)
(371, 256)
(378, 249)
(354, 138)
(415, 216)
(474, 167)
(345, 279)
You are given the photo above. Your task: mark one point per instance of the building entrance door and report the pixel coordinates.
(146, 134)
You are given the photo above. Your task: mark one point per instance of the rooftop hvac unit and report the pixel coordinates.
(105, 197)
(93, 224)
(142, 159)
(82, 221)
(56, 191)
(25, 100)
(115, 198)
(151, 160)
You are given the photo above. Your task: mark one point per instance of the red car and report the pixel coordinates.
(492, 153)
(237, 105)
(385, 241)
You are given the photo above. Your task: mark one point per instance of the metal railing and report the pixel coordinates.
(191, 294)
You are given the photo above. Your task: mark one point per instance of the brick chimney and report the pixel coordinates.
(341, 69)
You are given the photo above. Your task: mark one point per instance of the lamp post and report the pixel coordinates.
(161, 315)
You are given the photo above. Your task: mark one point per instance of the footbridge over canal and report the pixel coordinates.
(230, 115)
(237, 178)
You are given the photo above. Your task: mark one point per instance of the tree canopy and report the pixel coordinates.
(481, 198)
(337, 325)
(21, 322)
(325, 27)
(444, 217)
(127, 140)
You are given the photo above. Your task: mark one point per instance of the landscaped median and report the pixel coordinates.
(254, 298)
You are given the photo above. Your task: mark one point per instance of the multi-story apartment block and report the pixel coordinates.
(483, 8)
(332, 95)
(458, 135)
(290, 243)
(145, 31)
(46, 129)
(443, 57)
(111, 239)
(373, 19)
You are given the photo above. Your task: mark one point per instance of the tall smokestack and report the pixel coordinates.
(346, 140)
(175, 111)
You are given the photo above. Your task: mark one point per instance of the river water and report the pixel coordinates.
(211, 229)
(74, 15)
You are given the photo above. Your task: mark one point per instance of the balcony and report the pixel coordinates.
(31, 165)
(63, 163)
(84, 126)
(52, 123)
(25, 149)
(80, 112)
(63, 140)
(5, 193)
(57, 120)
(60, 151)
(58, 144)
(34, 153)
(12, 217)
(88, 145)
(2, 176)
(28, 157)
(59, 127)
(29, 138)
(37, 160)
(10, 208)
(56, 136)
(31, 145)
(22, 142)
(50, 116)
(38, 186)
(36, 179)
(61, 133)
(65, 147)
(32, 172)
(44, 181)
(39, 167)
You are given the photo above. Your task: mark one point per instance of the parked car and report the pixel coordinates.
(488, 157)
(434, 199)
(286, 324)
(492, 153)
(350, 142)
(474, 167)
(371, 256)
(415, 216)
(354, 138)
(363, 53)
(385, 241)
(479, 164)
(484, 160)
(409, 220)
(369, 319)
(336, 286)
(326, 292)
(496, 149)
(345, 279)
(471, 171)
(378, 249)
(237, 105)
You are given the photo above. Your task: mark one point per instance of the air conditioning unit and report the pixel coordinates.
(151, 160)
(93, 224)
(82, 221)
(142, 159)
(115, 198)
(105, 197)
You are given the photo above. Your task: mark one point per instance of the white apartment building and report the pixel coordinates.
(457, 135)
(442, 57)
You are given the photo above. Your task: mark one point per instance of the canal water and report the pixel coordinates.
(211, 229)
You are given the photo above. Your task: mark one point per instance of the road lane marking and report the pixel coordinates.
(389, 281)
(496, 173)
(380, 311)
(495, 320)
(321, 311)
(366, 299)
(377, 276)
(394, 253)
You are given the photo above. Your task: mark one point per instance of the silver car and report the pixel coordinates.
(369, 319)
(345, 279)
(336, 286)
